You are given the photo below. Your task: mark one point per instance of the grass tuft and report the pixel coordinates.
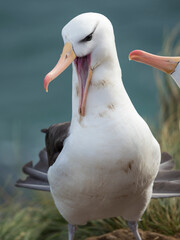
(169, 95)
(43, 221)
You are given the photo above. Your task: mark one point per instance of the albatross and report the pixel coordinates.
(169, 65)
(105, 162)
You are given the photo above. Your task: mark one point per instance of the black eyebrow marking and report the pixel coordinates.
(89, 36)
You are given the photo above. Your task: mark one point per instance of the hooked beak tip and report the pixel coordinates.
(135, 54)
(47, 80)
(129, 57)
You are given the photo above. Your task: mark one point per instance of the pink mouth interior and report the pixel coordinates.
(82, 67)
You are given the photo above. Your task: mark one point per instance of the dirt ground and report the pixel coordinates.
(124, 234)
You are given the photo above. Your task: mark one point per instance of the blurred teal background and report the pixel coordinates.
(30, 45)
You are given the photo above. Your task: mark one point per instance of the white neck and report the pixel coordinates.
(106, 92)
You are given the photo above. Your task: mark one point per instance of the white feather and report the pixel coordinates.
(110, 159)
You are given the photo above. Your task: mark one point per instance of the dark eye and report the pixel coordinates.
(87, 38)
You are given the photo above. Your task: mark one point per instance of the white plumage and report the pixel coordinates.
(110, 159)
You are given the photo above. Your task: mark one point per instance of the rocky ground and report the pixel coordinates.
(124, 234)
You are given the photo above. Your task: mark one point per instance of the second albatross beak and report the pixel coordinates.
(169, 65)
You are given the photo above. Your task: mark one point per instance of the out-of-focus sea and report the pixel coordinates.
(30, 45)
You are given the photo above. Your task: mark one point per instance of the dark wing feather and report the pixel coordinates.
(165, 157)
(168, 175)
(55, 136)
(32, 183)
(167, 182)
(37, 175)
(168, 189)
(167, 163)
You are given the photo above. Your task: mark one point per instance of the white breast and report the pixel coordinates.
(104, 169)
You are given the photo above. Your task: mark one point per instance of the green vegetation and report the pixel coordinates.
(43, 221)
(169, 95)
(40, 220)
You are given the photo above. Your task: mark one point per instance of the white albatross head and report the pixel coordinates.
(89, 40)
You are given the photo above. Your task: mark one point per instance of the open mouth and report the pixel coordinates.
(83, 69)
(84, 74)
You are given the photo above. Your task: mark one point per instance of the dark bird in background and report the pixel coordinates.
(106, 162)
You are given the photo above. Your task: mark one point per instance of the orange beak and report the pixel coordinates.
(165, 64)
(83, 69)
(67, 57)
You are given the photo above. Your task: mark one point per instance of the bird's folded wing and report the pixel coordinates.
(167, 182)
